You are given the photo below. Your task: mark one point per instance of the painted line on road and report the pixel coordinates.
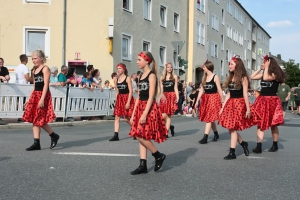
(256, 157)
(96, 154)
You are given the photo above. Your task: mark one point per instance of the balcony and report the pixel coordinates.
(253, 55)
(253, 37)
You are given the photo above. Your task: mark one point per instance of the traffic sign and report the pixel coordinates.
(177, 45)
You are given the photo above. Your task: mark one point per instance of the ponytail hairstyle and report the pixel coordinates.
(280, 75)
(146, 55)
(210, 66)
(123, 66)
(239, 73)
(164, 74)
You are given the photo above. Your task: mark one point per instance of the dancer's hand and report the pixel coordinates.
(248, 114)
(220, 112)
(131, 119)
(41, 103)
(127, 106)
(142, 119)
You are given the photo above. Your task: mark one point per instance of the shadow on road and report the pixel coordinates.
(177, 159)
(186, 132)
(80, 143)
(4, 158)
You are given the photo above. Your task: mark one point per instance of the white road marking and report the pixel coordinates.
(256, 157)
(96, 154)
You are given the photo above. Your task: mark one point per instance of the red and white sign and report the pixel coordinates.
(77, 55)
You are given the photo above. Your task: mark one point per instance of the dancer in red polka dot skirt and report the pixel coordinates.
(147, 121)
(38, 109)
(235, 113)
(267, 109)
(124, 101)
(211, 101)
(169, 103)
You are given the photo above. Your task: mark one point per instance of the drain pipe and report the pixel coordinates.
(64, 33)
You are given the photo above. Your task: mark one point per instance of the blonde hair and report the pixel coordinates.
(210, 66)
(164, 74)
(40, 54)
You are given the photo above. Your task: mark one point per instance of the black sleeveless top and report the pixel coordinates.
(168, 85)
(235, 92)
(268, 88)
(123, 87)
(211, 87)
(39, 80)
(144, 87)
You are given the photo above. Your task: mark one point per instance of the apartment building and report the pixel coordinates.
(104, 33)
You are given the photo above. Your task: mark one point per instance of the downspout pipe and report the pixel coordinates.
(64, 33)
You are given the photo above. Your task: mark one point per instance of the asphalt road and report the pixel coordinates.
(85, 165)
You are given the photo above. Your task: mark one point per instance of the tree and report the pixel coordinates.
(293, 72)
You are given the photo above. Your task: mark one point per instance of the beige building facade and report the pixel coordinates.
(105, 33)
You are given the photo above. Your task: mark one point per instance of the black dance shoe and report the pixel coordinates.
(115, 137)
(36, 146)
(216, 137)
(159, 161)
(172, 130)
(54, 140)
(245, 147)
(274, 148)
(231, 155)
(257, 149)
(142, 169)
(204, 139)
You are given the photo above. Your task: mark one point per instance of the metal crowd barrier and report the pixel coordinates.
(66, 101)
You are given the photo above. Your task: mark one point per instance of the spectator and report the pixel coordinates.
(86, 81)
(4, 74)
(22, 71)
(192, 99)
(90, 69)
(284, 92)
(297, 98)
(133, 81)
(106, 85)
(138, 75)
(189, 90)
(96, 79)
(62, 79)
(53, 77)
(292, 100)
(180, 88)
(112, 82)
(71, 75)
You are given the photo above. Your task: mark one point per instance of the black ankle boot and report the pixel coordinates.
(257, 149)
(159, 159)
(36, 145)
(274, 147)
(216, 136)
(134, 138)
(54, 139)
(172, 130)
(115, 137)
(141, 169)
(245, 147)
(231, 155)
(204, 139)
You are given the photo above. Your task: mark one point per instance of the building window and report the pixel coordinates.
(126, 47)
(223, 20)
(222, 42)
(36, 39)
(215, 22)
(176, 22)
(163, 16)
(146, 45)
(200, 33)
(147, 9)
(162, 55)
(249, 45)
(214, 49)
(201, 5)
(127, 5)
(222, 69)
(37, 1)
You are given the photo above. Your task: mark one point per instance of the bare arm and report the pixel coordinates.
(245, 94)
(256, 75)
(46, 72)
(176, 88)
(128, 80)
(217, 81)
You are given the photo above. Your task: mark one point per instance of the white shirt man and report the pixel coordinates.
(22, 71)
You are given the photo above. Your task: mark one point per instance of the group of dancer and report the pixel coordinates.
(149, 115)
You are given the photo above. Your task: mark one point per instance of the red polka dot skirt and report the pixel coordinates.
(154, 128)
(210, 107)
(234, 115)
(267, 112)
(168, 105)
(120, 109)
(39, 116)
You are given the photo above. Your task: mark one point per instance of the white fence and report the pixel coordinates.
(67, 102)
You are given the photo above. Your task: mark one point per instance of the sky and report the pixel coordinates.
(281, 19)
